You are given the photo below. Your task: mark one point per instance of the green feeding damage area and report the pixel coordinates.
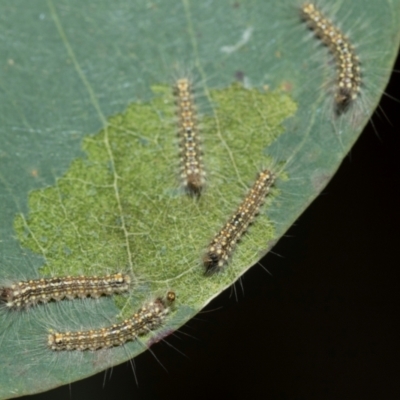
(122, 207)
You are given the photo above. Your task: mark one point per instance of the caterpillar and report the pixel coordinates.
(147, 318)
(191, 159)
(24, 294)
(223, 244)
(347, 62)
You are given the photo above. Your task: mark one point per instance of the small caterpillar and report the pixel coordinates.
(347, 62)
(223, 244)
(28, 293)
(192, 165)
(147, 318)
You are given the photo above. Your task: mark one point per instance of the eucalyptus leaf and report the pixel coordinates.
(89, 169)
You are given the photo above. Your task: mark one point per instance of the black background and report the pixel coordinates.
(322, 326)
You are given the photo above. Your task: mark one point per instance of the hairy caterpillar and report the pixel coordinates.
(192, 165)
(225, 241)
(27, 293)
(347, 62)
(147, 318)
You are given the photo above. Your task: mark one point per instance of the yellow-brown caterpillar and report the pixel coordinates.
(192, 171)
(27, 293)
(347, 62)
(223, 244)
(146, 319)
